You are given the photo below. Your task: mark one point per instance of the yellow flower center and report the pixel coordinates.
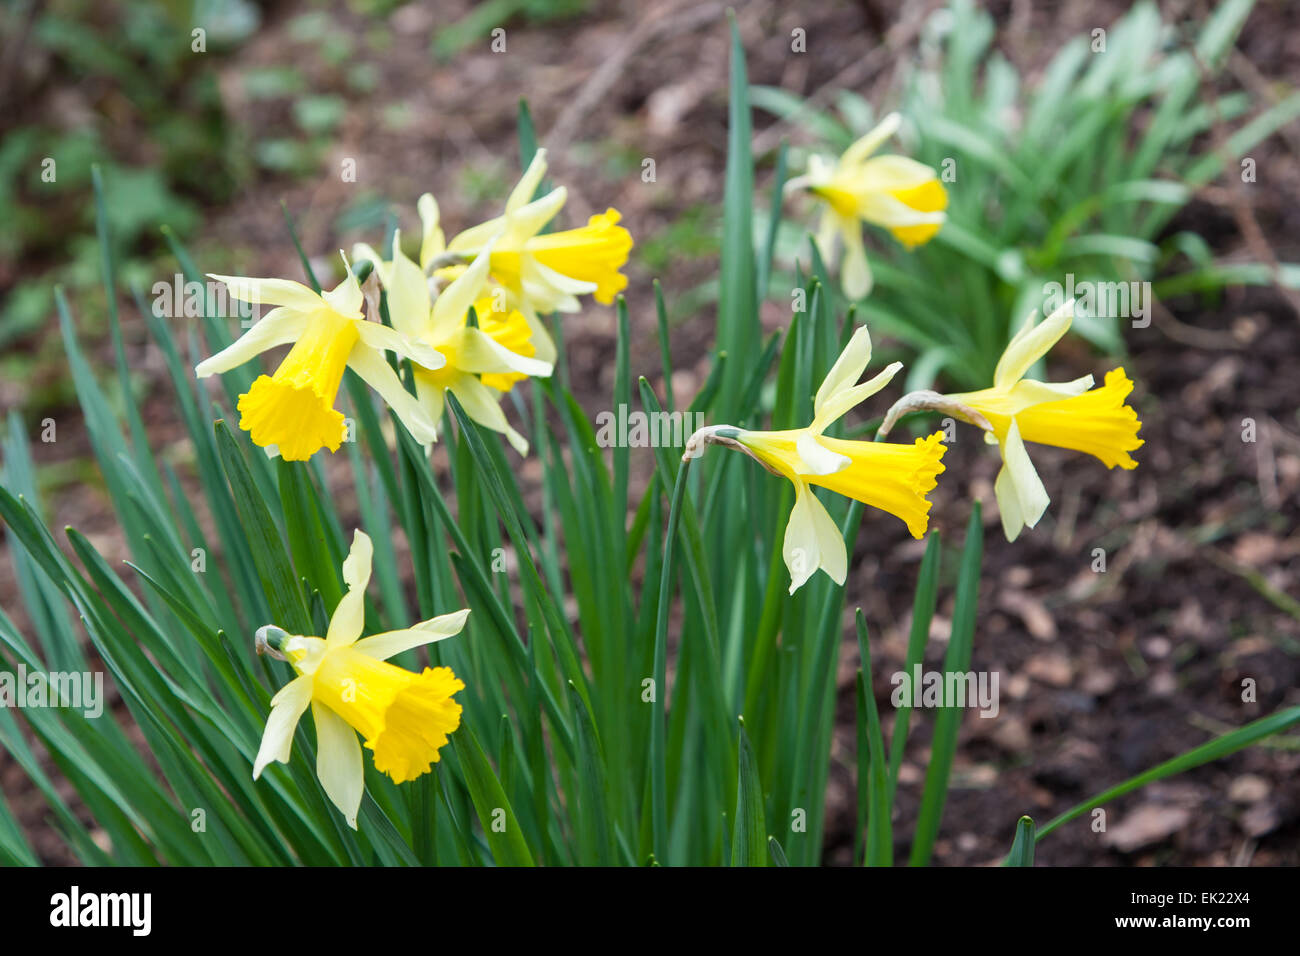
(507, 268)
(294, 408)
(843, 201)
(592, 253)
(511, 331)
(404, 717)
(927, 197)
(439, 377)
(1097, 422)
(892, 477)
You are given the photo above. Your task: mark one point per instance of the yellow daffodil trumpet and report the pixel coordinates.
(897, 193)
(1016, 410)
(291, 412)
(545, 272)
(893, 478)
(404, 717)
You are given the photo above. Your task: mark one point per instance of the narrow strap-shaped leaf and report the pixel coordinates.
(1022, 848)
(497, 817)
(749, 835)
(947, 721)
(267, 547)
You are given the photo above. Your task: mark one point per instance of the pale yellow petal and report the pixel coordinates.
(278, 327)
(842, 402)
(812, 541)
(350, 616)
(346, 298)
(891, 173)
(883, 209)
(872, 141)
(453, 303)
(432, 241)
(828, 227)
(483, 405)
(408, 293)
(376, 338)
(855, 273)
(338, 762)
(390, 643)
(271, 292)
(1027, 392)
(817, 458)
(1008, 504)
(848, 368)
(286, 710)
(528, 221)
(526, 188)
(1031, 343)
(478, 352)
(1029, 491)
(356, 566)
(379, 375)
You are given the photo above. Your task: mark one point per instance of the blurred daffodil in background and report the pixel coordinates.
(893, 478)
(897, 193)
(351, 688)
(292, 411)
(1016, 410)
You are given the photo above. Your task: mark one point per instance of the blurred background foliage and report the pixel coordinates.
(132, 86)
(83, 81)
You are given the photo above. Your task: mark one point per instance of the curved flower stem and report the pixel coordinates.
(448, 259)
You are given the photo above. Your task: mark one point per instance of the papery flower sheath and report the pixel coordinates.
(1016, 410)
(894, 478)
(481, 362)
(292, 411)
(900, 194)
(545, 272)
(403, 717)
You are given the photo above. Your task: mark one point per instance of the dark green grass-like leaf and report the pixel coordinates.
(947, 720)
(497, 817)
(1022, 848)
(749, 834)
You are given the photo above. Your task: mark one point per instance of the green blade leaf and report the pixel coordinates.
(1022, 848)
(749, 837)
(948, 719)
(504, 835)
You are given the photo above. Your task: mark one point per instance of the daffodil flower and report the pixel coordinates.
(404, 717)
(546, 272)
(893, 478)
(433, 245)
(496, 353)
(1016, 410)
(292, 411)
(895, 192)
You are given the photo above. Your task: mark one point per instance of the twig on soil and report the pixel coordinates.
(672, 23)
(1238, 202)
(1279, 599)
(1266, 464)
(856, 73)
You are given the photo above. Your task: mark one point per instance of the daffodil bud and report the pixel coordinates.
(711, 435)
(270, 640)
